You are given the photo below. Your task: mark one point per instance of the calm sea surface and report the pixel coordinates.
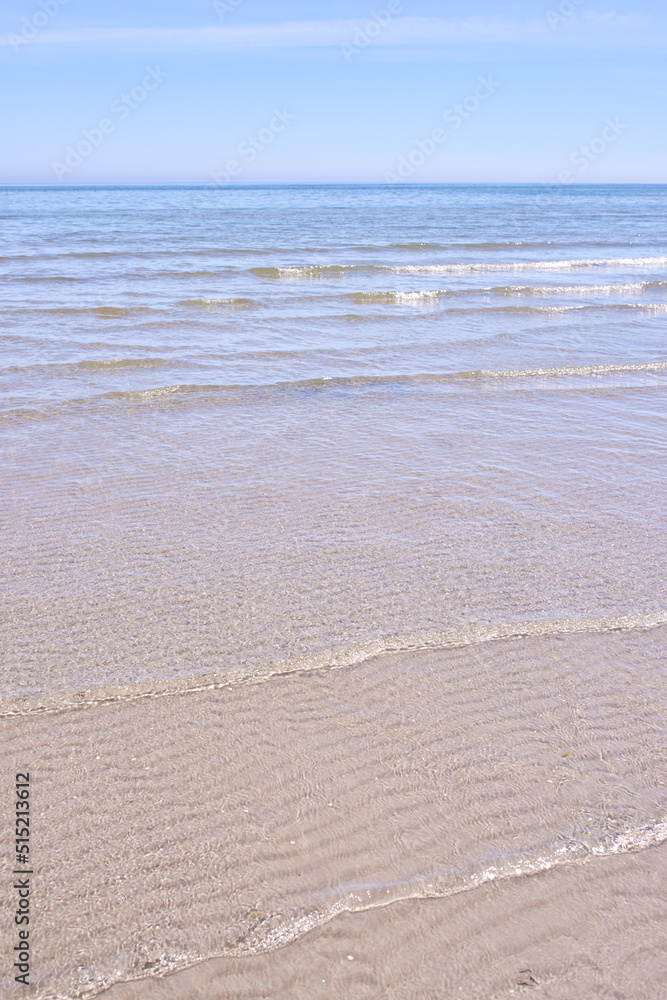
(274, 430)
(249, 426)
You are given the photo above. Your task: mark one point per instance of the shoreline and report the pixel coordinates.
(339, 658)
(590, 930)
(239, 821)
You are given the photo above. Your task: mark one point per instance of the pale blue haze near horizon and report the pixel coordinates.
(361, 89)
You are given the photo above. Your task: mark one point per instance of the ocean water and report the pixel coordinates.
(416, 434)
(250, 427)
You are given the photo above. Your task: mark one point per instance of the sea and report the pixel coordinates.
(404, 441)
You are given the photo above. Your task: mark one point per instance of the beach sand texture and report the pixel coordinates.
(332, 553)
(595, 931)
(233, 821)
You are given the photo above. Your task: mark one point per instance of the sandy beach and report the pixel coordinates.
(593, 931)
(489, 802)
(332, 557)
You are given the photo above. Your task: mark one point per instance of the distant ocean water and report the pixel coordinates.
(272, 430)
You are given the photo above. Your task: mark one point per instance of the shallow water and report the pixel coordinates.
(232, 822)
(251, 434)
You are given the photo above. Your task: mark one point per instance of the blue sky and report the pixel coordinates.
(247, 91)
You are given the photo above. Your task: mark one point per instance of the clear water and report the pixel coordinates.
(264, 425)
(268, 431)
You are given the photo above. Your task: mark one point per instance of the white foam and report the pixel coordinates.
(531, 265)
(629, 288)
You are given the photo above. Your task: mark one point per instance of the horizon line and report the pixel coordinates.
(208, 185)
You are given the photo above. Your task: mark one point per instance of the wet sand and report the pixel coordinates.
(587, 931)
(333, 574)
(472, 803)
